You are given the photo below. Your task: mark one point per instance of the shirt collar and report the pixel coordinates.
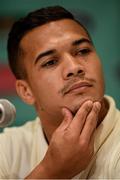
(107, 125)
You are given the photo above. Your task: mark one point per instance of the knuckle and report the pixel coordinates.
(86, 146)
(83, 144)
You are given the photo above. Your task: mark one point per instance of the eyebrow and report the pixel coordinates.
(80, 41)
(43, 54)
(52, 51)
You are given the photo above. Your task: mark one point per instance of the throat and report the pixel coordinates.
(49, 126)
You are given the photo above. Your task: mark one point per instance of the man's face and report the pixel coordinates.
(62, 66)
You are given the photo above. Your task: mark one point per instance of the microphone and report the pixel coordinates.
(7, 113)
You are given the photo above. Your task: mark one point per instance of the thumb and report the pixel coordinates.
(67, 118)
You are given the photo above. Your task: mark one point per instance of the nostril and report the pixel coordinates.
(80, 71)
(70, 74)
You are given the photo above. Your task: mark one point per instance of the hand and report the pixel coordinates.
(72, 144)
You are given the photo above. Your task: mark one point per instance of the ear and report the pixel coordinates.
(24, 91)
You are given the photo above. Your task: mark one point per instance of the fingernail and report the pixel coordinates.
(89, 104)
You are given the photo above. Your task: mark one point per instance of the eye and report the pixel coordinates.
(84, 51)
(50, 63)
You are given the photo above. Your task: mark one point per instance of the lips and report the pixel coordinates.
(78, 86)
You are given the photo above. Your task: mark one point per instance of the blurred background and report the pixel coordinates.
(101, 17)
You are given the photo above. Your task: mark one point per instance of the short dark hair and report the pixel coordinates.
(26, 24)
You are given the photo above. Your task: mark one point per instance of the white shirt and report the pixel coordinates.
(22, 148)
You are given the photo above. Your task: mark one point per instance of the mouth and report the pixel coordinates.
(78, 87)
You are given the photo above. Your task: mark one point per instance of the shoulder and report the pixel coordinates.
(11, 137)
(114, 159)
(15, 148)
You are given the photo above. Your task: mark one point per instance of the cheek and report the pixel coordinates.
(47, 94)
(97, 68)
(99, 76)
(99, 72)
(96, 72)
(47, 86)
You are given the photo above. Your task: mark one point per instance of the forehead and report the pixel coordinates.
(52, 34)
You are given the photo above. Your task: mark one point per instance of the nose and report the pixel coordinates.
(73, 68)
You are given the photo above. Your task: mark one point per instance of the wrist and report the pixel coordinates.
(40, 172)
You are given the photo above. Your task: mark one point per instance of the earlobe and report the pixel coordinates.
(24, 91)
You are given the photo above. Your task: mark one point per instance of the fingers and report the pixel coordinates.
(67, 118)
(84, 122)
(80, 117)
(91, 122)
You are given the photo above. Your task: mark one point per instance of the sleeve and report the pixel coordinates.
(5, 156)
(15, 152)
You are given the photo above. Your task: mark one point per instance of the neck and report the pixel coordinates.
(103, 111)
(50, 125)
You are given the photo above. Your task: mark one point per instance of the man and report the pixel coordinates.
(57, 69)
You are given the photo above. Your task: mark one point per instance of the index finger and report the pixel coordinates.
(80, 117)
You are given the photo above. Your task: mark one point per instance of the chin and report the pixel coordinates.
(76, 104)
